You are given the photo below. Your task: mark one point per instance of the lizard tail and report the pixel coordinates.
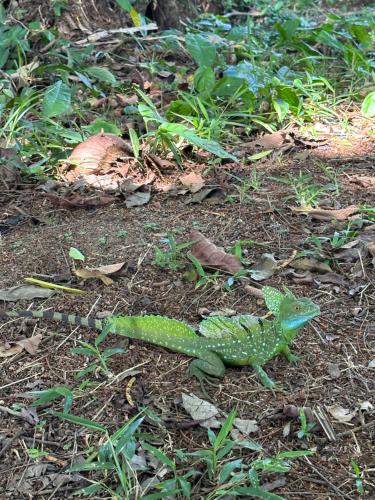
(72, 319)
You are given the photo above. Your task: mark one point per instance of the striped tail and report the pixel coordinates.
(72, 319)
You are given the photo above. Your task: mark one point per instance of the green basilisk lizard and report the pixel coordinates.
(234, 341)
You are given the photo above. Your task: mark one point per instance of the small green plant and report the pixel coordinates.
(151, 226)
(75, 254)
(122, 234)
(203, 278)
(173, 258)
(305, 191)
(306, 427)
(332, 175)
(35, 453)
(49, 395)
(358, 478)
(101, 357)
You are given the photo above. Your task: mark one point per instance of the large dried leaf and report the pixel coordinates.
(101, 272)
(96, 153)
(194, 182)
(6, 350)
(268, 141)
(77, 201)
(30, 344)
(209, 255)
(342, 415)
(201, 410)
(366, 181)
(137, 199)
(265, 268)
(311, 264)
(24, 292)
(324, 214)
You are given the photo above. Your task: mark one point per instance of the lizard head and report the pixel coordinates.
(294, 313)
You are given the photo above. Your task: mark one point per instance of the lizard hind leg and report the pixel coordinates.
(205, 369)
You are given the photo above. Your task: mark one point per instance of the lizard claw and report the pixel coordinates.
(293, 358)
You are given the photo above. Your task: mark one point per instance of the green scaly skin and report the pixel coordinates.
(238, 341)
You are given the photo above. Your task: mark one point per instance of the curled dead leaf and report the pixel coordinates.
(194, 182)
(6, 350)
(77, 201)
(209, 255)
(86, 273)
(265, 268)
(30, 344)
(342, 415)
(311, 264)
(366, 181)
(96, 153)
(24, 292)
(201, 410)
(325, 214)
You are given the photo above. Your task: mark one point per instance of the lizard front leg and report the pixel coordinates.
(292, 358)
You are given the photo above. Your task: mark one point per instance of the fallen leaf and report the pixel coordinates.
(333, 278)
(201, 410)
(101, 272)
(94, 154)
(6, 350)
(371, 364)
(328, 215)
(77, 201)
(366, 181)
(311, 264)
(137, 199)
(246, 426)
(210, 255)
(342, 415)
(24, 292)
(333, 370)
(194, 182)
(268, 141)
(214, 196)
(366, 406)
(30, 344)
(265, 268)
(160, 164)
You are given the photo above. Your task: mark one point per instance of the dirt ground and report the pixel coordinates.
(336, 350)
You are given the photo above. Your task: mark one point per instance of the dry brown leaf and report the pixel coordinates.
(323, 214)
(265, 268)
(6, 350)
(111, 268)
(30, 344)
(77, 201)
(209, 255)
(366, 181)
(137, 199)
(268, 141)
(160, 164)
(96, 153)
(194, 182)
(342, 415)
(87, 273)
(101, 272)
(311, 264)
(24, 292)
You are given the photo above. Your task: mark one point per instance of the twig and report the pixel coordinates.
(327, 481)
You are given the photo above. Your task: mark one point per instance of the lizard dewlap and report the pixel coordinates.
(236, 341)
